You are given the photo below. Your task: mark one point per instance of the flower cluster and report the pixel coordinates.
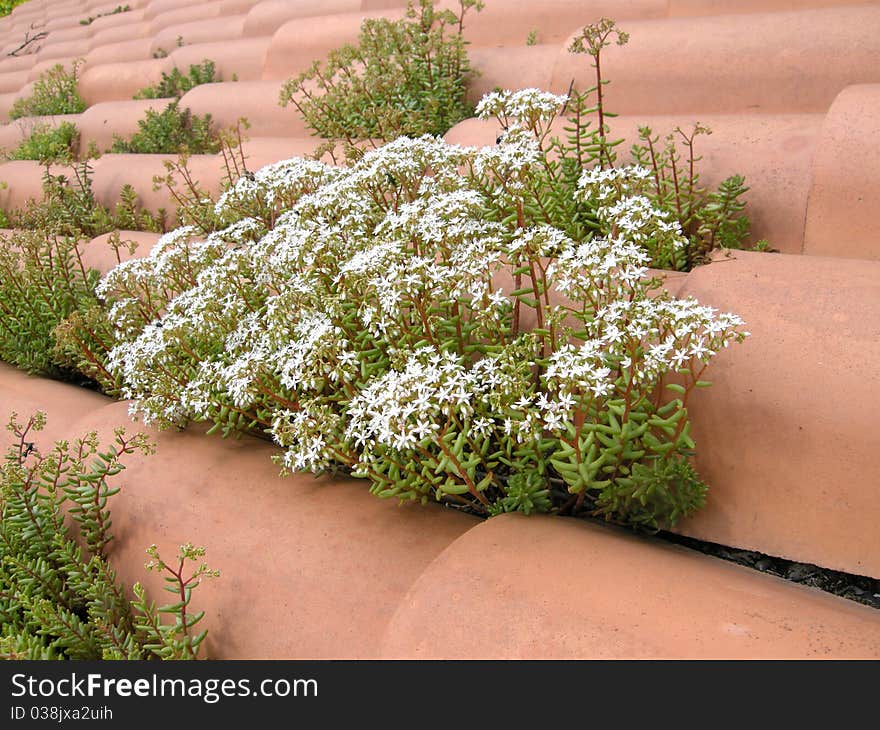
(529, 108)
(411, 319)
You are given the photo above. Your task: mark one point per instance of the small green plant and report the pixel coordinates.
(42, 281)
(7, 6)
(176, 640)
(116, 11)
(532, 38)
(129, 215)
(69, 208)
(162, 53)
(49, 144)
(404, 77)
(176, 83)
(709, 219)
(171, 131)
(60, 599)
(55, 92)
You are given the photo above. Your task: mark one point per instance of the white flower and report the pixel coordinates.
(523, 106)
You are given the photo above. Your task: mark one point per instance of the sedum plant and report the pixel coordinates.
(54, 92)
(59, 598)
(51, 321)
(404, 77)
(42, 282)
(707, 218)
(69, 207)
(417, 319)
(171, 131)
(49, 144)
(177, 83)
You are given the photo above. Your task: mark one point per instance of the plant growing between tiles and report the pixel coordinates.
(54, 92)
(59, 598)
(404, 77)
(171, 131)
(416, 320)
(356, 100)
(47, 143)
(68, 206)
(174, 130)
(661, 176)
(51, 320)
(116, 11)
(44, 283)
(176, 83)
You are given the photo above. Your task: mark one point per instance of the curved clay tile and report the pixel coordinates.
(265, 17)
(370, 5)
(786, 436)
(261, 151)
(845, 195)
(509, 22)
(302, 41)
(785, 62)
(98, 254)
(76, 33)
(62, 52)
(113, 171)
(190, 13)
(725, 7)
(24, 182)
(120, 33)
(505, 67)
(116, 20)
(154, 8)
(198, 31)
(241, 57)
(257, 100)
(121, 81)
(12, 80)
(61, 22)
(138, 49)
(15, 63)
(101, 122)
(519, 587)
